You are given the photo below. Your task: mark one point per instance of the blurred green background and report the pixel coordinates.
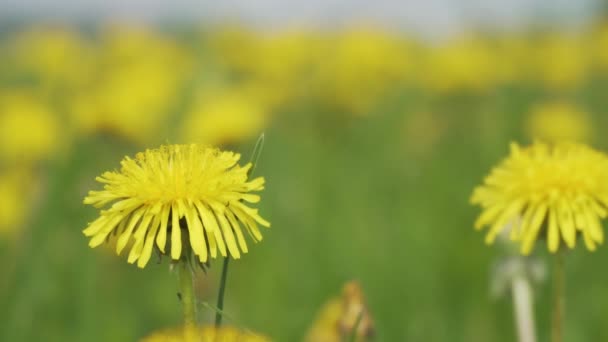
(374, 142)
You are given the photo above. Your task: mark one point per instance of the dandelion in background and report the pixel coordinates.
(225, 116)
(42, 139)
(178, 198)
(554, 191)
(206, 334)
(559, 121)
(343, 317)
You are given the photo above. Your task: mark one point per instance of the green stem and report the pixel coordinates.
(220, 296)
(186, 287)
(557, 327)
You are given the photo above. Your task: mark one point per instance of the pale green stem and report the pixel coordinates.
(186, 288)
(559, 279)
(522, 306)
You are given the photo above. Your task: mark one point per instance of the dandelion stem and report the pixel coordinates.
(557, 327)
(522, 302)
(220, 296)
(186, 288)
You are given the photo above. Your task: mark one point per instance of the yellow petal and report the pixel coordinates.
(553, 232)
(161, 239)
(123, 239)
(532, 232)
(236, 227)
(146, 253)
(176, 238)
(228, 236)
(197, 237)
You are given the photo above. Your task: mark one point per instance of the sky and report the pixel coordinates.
(428, 17)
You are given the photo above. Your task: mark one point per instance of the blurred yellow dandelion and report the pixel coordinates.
(559, 121)
(29, 130)
(225, 117)
(15, 197)
(205, 334)
(554, 190)
(189, 194)
(341, 315)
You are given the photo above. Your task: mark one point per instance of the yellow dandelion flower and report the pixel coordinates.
(205, 334)
(559, 121)
(176, 195)
(226, 116)
(557, 191)
(465, 63)
(560, 61)
(15, 197)
(29, 130)
(341, 315)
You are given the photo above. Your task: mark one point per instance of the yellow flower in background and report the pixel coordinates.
(362, 65)
(226, 116)
(511, 55)
(54, 53)
(132, 102)
(280, 61)
(466, 62)
(128, 44)
(559, 121)
(560, 61)
(341, 315)
(140, 79)
(15, 188)
(191, 193)
(600, 46)
(236, 48)
(206, 334)
(29, 130)
(558, 191)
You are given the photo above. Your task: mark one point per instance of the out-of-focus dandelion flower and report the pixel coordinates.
(511, 55)
(600, 46)
(282, 62)
(189, 194)
(559, 121)
(225, 117)
(362, 66)
(55, 54)
(560, 61)
(340, 316)
(29, 130)
(466, 63)
(14, 199)
(543, 190)
(130, 102)
(135, 91)
(205, 334)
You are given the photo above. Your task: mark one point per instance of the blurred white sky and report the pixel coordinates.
(430, 17)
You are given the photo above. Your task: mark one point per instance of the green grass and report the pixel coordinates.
(346, 200)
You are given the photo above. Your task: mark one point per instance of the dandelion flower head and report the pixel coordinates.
(554, 191)
(205, 334)
(178, 195)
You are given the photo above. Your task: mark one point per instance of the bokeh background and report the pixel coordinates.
(379, 120)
